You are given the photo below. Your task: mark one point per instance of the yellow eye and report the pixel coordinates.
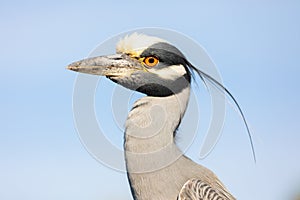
(151, 61)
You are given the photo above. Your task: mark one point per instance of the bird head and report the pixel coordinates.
(142, 63)
(149, 65)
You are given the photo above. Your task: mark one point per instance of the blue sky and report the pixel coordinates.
(255, 45)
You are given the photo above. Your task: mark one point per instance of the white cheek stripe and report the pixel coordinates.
(171, 72)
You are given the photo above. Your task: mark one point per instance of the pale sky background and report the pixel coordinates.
(255, 45)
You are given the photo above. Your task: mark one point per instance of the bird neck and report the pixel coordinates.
(150, 128)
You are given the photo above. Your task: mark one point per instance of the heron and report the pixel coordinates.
(156, 167)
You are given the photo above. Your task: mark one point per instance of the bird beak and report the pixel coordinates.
(111, 66)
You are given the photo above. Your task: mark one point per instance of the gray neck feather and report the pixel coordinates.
(150, 126)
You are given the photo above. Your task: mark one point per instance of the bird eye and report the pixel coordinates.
(151, 61)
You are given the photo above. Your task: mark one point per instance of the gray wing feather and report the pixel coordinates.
(195, 189)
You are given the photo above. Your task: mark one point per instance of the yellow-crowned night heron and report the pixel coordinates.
(156, 168)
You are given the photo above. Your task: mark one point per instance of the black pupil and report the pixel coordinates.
(151, 60)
